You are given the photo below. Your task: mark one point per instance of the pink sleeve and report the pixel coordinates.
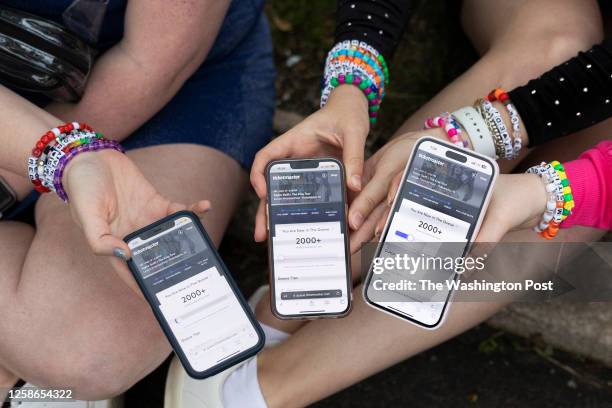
(590, 178)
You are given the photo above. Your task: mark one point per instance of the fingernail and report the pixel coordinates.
(120, 253)
(357, 220)
(377, 232)
(356, 181)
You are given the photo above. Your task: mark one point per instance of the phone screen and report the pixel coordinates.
(182, 273)
(440, 201)
(310, 272)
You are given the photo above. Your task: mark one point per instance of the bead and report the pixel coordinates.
(36, 152)
(349, 79)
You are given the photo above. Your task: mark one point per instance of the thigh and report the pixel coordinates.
(521, 22)
(74, 317)
(15, 241)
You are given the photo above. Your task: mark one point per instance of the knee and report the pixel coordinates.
(90, 375)
(549, 48)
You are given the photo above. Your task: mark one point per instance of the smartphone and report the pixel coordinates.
(310, 274)
(436, 213)
(193, 296)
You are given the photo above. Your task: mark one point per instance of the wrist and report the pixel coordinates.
(88, 165)
(349, 95)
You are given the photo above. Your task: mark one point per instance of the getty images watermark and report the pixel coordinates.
(450, 265)
(508, 271)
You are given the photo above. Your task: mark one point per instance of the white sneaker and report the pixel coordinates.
(258, 295)
(116, 402)
(183, 391)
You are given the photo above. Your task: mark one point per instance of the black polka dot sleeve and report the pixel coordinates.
(568, 98)
(379, 23)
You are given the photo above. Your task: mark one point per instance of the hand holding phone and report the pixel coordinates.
(310, 274)
(437, 211)
(197, 303)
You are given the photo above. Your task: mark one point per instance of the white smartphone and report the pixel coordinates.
(310, 272)
(436, 213)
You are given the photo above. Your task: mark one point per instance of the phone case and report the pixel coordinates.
(162, 321)
(468, 246)
(349, 306)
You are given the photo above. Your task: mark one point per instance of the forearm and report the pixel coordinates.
(22, 125)
(118, 107)
(162, 47)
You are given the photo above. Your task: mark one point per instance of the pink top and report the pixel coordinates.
(590, 178)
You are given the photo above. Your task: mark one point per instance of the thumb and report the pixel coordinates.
(101, 240)
(353, 156)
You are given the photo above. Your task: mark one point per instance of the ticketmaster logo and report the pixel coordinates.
(431, 159)
(141, 250)
(294, 177)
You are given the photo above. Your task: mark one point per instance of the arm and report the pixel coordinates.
(341, 126)
(163, 44)
(109, 196)
(568, 98)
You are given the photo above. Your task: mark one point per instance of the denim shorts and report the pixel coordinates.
(227, 104)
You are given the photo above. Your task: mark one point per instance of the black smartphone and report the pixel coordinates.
(193, 296)
(436, 214)
(310, 274)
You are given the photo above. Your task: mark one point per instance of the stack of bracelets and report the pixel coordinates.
(560, 201)
(56, 148)
(356, 63)
(484, 126)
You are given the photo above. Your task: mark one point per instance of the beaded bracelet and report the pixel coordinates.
(49, 155)
(356, 63)
(368, 89)
(499, 94)
(63, 163)
(356, 46)
(496, 124)
(451, 127)
(567, 189)
(560, 200)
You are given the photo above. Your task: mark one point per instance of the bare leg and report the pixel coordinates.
(15, 240)
(68, 318)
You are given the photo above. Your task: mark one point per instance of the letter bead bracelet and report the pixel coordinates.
(560, 201)
(56, 148)
(356, 63)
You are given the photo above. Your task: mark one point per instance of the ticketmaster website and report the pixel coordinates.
(433, 218)
(307, 220)
(184, 275)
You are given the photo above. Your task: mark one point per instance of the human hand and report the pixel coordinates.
(384, 168)
(518, 202)
(338, 130)
(110, 197)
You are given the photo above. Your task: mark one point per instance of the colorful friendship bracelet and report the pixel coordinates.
(450, 126)
(65, 160)
(356, 63)
(366, 86)
(560, 201)
(54, 150)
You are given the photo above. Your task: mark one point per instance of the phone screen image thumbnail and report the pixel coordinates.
(307, 228)
(434, 216)
(182, 272)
